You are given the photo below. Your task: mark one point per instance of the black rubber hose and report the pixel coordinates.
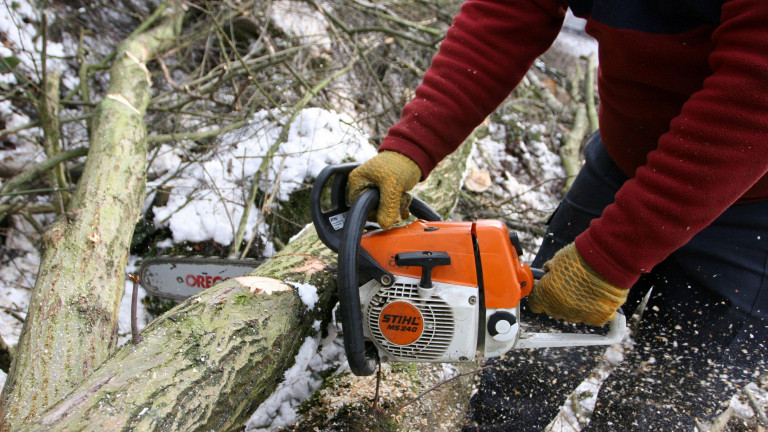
(361, 363)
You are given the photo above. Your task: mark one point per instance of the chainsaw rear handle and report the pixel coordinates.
(329, 223)
(616, 330)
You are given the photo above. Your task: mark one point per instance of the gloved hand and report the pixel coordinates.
(573, 291)
(393, 174)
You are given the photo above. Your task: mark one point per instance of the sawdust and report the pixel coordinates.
(262, 285)
(311, 266)
(346, 395)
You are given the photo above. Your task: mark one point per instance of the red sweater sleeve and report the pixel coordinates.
(714, 151)
(486, 52)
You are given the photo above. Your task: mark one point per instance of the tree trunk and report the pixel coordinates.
(208, 363)
(72, 319)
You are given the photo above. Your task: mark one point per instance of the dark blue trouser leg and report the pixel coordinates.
(706, 316)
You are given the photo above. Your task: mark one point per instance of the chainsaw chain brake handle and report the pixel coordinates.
(329, 223)
(352, 257)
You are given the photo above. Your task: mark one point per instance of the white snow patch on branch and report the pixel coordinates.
(307, 293)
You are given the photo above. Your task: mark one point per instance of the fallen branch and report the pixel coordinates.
(570, 152)
(589, 92)
(543, 92)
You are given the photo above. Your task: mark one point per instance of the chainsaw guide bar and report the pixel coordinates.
(178, 278)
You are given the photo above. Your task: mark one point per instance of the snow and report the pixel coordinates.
(165, 160)
(206, 200)
(21, 35)
(300, 20)
(17, 23)
(12, 119)
(17, 278)
(307, 293)
(316, 355)
(447, 371)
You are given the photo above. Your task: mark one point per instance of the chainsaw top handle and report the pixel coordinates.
(352, 257)
(329, 223)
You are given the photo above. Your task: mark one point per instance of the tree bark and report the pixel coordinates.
(208, 363)
(48, 107)
(570, 152)
(71, 324)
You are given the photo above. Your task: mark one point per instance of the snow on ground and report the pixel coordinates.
(22, 40)
(298, 18)
(17, 278)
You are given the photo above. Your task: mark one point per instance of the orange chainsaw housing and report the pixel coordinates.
(493, 265)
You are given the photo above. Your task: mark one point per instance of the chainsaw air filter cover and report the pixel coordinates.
(408, 326)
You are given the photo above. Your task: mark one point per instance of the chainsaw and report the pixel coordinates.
(429, 291)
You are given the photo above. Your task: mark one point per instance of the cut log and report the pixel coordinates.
(209, 362)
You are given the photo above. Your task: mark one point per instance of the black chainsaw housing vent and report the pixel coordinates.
(439, 323)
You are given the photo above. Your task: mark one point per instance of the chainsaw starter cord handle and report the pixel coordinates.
(361, 361)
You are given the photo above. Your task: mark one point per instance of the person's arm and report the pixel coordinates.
(714, 151)
(486, 53)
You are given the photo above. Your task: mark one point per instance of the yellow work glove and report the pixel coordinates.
(393, 174)
(573, 291)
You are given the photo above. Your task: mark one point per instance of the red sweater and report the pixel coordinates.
(684, 109)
